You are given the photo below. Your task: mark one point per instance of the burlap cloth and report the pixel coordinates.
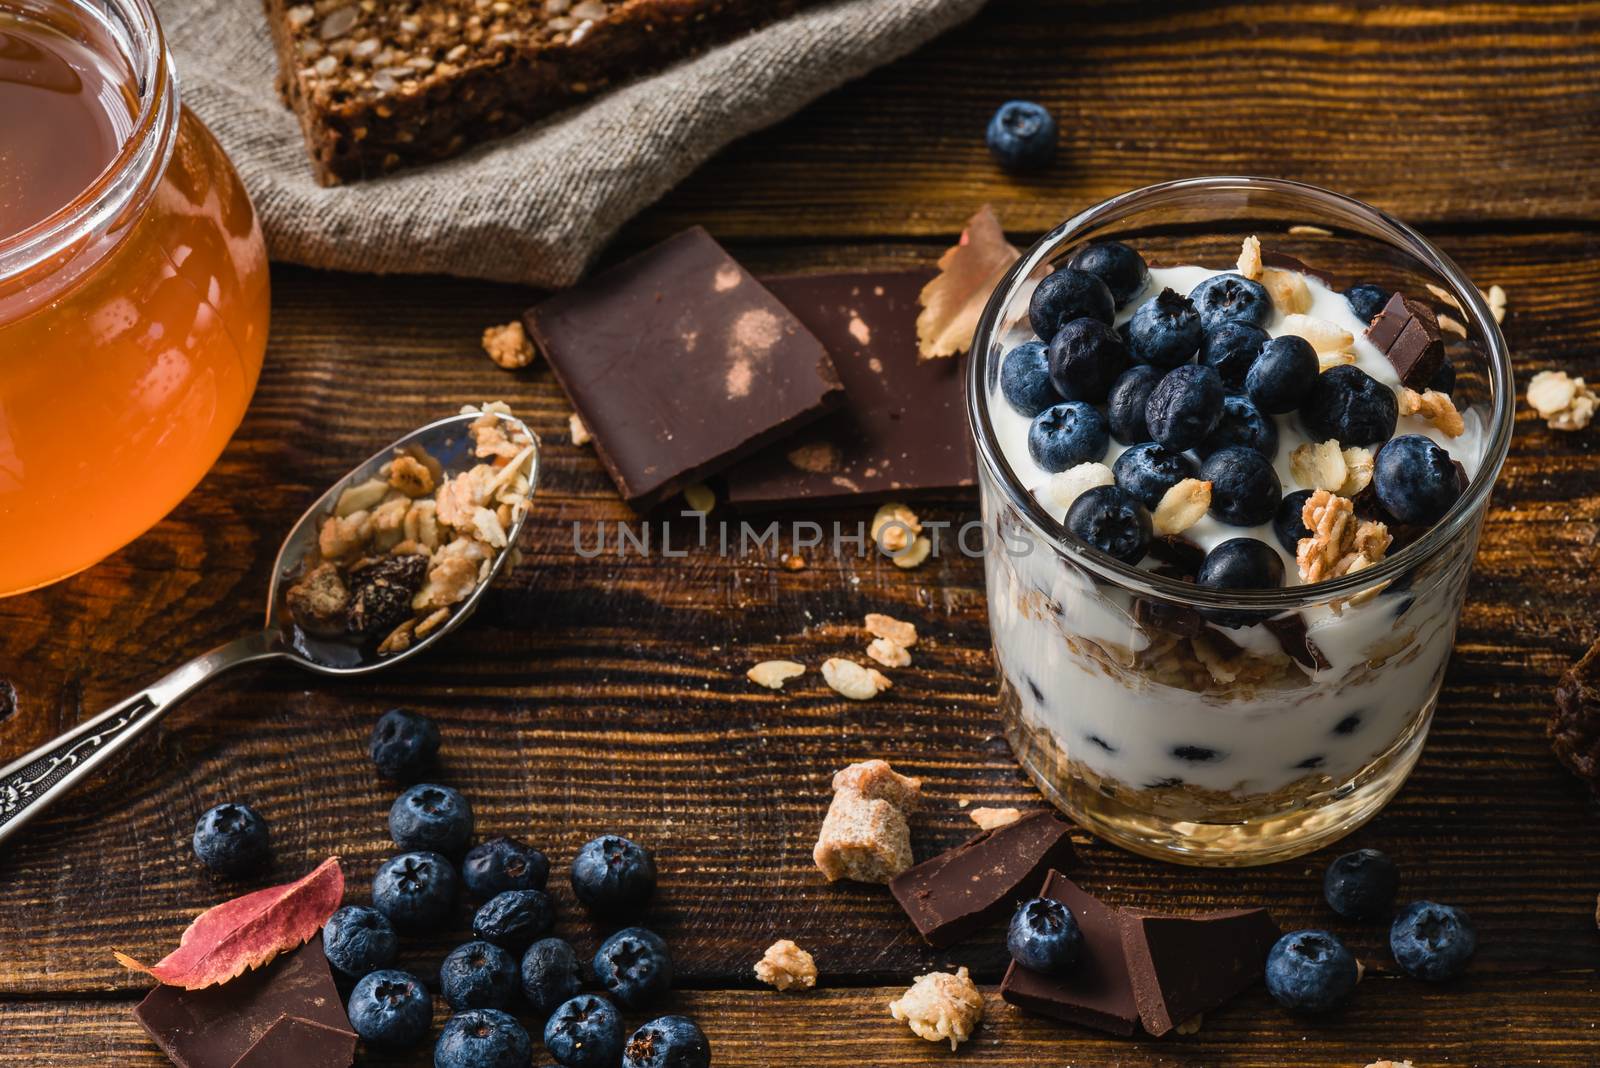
(535, 207)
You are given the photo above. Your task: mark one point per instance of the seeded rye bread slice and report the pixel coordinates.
(382, 84)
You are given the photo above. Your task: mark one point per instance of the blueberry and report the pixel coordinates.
(549, 974)
(1025, 379)
(1245, 491)
(1086, 359)
(1432, 941)
(1066, 294)
(1111, 520)
(1230, 298)
(1126, 402)
(1165, 331)
(1282, 376)
(1288, 523)
(1310, 972)
(585, 1032)
(502, 864)
(1230, 348)
(1361, 885)
(1241, 564)
(1022, 136)
(1444, 379)
(1196, 754)
(358, 940)
(1351, 407)
(231, 839)
(1044, 936)
(483, 1038)
(1416, 481)
(514, 918)
(478, 975)
(610, 874)
(1147, 471)
(416, 890)
(1242, 424)
(404, 745)
(1121, 268)
(634, 966)
(668, 1042)
(1066, 435)
(1367, 300)
(429, 816)
(1184, 407)
(390, 1008)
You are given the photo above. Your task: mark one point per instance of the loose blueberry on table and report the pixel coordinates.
(404, 745)
(584, 1032)
(1432, 941)
(1361, 885)
(416, 890)
(515, 918)
(358, 940)
(550, 974)
(432, 817)
(390, 1008)
(483, 1038)
(612, 874)
(667, 1042)
(1022, 136)
(478, 975)
(502, 864)
(231, 839)
(1044, 936)
(1311, 972)
(634, 966)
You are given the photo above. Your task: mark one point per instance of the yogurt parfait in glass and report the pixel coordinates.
(1236, 440)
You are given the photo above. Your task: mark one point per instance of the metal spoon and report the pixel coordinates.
(28, 785)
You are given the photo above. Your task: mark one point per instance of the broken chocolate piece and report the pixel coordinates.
(957, 892)
(1183, 965)
(897, 431)
(1407, 333)
(1097, 993)
(295, 1042)
(1574, 730)
(679, 363)
(1292, 635)
(214, 1027)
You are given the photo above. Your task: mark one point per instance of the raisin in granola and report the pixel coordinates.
(381, 592)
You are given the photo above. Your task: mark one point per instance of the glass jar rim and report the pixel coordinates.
(1378, 223)
(143, 155)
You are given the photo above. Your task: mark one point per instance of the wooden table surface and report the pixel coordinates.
(608, 694)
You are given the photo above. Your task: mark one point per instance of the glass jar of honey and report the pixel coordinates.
(133, 287)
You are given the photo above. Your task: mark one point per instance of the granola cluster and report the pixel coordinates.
(941, 1006)
(1563, 401)
(1339, 543)
(401, 550)
(786, 966)
(866, 835)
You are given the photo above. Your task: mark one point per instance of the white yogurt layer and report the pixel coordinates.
(1143, 733)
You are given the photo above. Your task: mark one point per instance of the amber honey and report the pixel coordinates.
(133, 290)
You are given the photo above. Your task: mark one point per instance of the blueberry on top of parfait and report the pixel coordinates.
(1111, 520)
(1025, 379)
(1125, 404)
(1165, 331)
(1022, 136)
(1432, 941)
(1245, 491)
(1066, 294)
(1086, 359)
(1361, 885)
(1066, 435)
(1283, 374)
(1231, 347)
(1184, 407)
(1147, 471)
(1224, 298)
(1415, 480)
(1242, 424)
(1241, 564)
(1367, 299)
(1351, 407)
(1289, 522)
(1121, 268)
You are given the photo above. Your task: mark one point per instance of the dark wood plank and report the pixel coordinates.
(1497, 107)
(835, 1027)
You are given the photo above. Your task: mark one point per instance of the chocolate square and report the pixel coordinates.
(1098, 992)
(957, 892)
(294, 1042)
(1183, 965)
(216, 1026)
(680, 362)
(1407, 333)
(902, 430)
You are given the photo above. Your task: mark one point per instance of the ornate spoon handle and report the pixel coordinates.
(30, 783)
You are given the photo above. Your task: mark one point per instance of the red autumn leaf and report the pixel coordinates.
(224, 942)
(968, 273)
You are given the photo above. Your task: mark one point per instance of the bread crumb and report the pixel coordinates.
(866, 836)
(941, 1006)
(577, 430)
(508, 346)
(787, 966)
(990, 818)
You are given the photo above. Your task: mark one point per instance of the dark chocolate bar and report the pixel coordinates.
(1184, 965)
(1407, 333)
(1098, 992)
(294, 1042)
(957, 892)
(679, 363)
(902, 429)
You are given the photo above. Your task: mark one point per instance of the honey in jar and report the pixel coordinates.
(133, 287)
